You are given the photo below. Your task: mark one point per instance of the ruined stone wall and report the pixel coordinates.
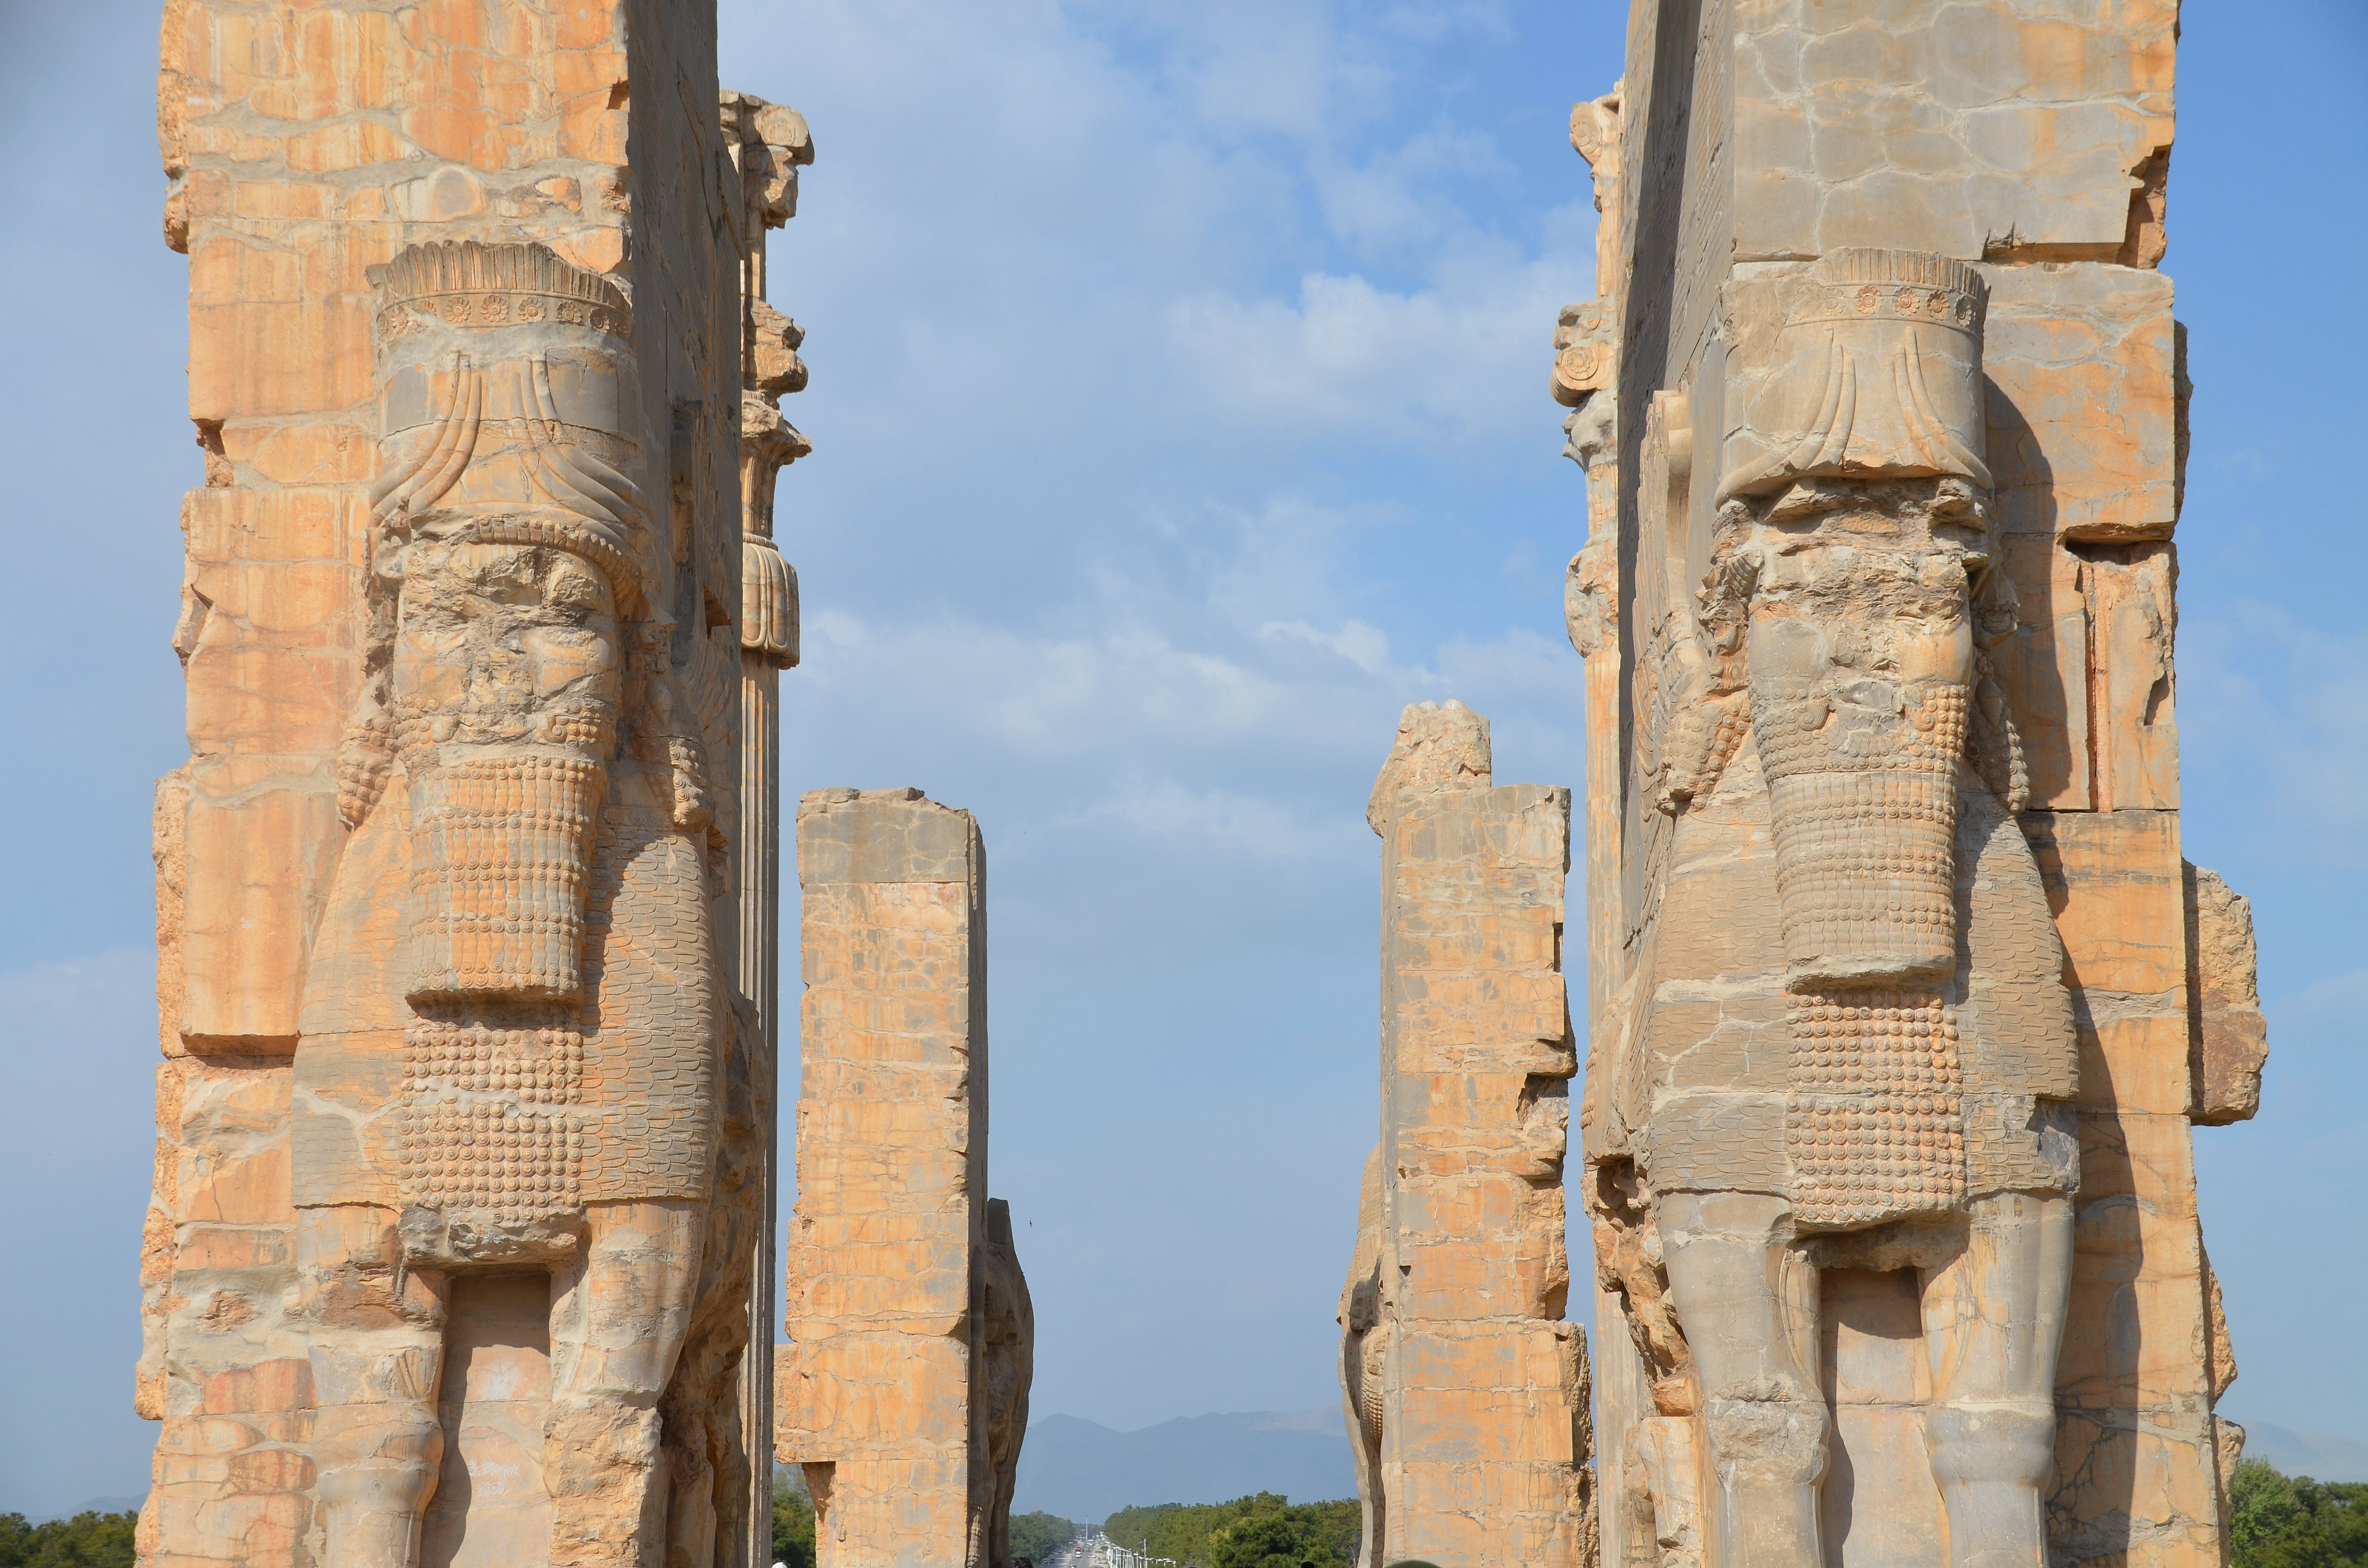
(904, 1393)
(2005, 165)
(305, 146)
(1467, 1391)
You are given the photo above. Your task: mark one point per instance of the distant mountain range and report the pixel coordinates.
(2322, 1456)
(1083, 1471)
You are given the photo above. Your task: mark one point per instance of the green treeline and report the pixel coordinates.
(793, 1521)
(86, 1540)
(1266, 1530)
(2281, 1521)
(1037, 1536)
(2275, 1521)
(1033, 1535)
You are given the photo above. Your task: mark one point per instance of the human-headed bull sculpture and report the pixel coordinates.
(1847, 1042)
(514, 1010)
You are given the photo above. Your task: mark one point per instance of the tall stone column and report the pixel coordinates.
(1466, 1387)
(904, 1393)
(759, 938)
(768, 143)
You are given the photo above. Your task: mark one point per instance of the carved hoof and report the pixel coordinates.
(1991, 1445)
(1765, 1443)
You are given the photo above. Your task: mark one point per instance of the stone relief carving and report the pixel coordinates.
(1366, 1327)
(1584, 380)
(1850, 1045)
(514, 1010)
(1008, 1348)
(1583, 374)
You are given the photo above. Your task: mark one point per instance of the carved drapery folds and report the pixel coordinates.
(456, 1129)
(514, 1009)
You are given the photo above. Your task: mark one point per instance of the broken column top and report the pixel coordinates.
(881, 836)
(1441, 745)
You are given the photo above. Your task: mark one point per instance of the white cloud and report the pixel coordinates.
(1362, 646)
(1458, 364)
(1244, 823)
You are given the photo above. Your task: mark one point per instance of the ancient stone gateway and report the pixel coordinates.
(1902, 1001)
(468, 895)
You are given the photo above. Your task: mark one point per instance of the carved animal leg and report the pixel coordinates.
(617, 1321)
(1749, 1305)
(1667, 1478)
(377, 1348)
(1993, 1320)
(690, 1493)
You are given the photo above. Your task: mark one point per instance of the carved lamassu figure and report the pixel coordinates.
(1849, 1047)
(1367, 1330)
(1008, 1366)
(514, 1009)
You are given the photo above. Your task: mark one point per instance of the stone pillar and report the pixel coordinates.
(1468, 1389)
(768, 143)
(1904, 1001)
(908, 1319)
(433, 1124)
(1585, 374)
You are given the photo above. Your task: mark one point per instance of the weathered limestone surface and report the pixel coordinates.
(459, 1157)
(2017, 127)
(1468, 1390)
(1903, 1002)
(904, 1395)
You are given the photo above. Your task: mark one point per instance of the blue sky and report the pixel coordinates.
(1179, 412)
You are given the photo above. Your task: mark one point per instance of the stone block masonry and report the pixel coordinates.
(1466, 1387)
(904, 1393)
(1904, 1002)
(460, 1168)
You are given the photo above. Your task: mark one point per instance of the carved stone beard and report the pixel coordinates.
(506, 680)
(1859, 657)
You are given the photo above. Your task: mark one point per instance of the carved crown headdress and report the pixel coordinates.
(1875, 372)
(512, 367)
(470, 283)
